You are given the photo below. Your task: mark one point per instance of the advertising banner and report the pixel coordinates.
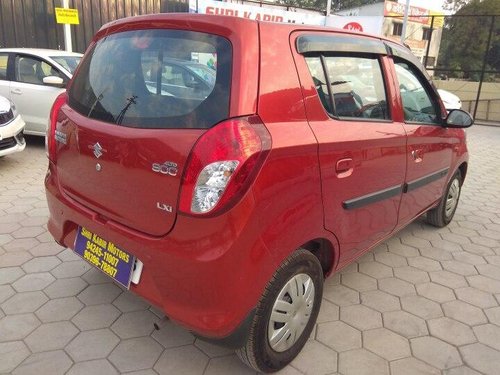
(370, 24)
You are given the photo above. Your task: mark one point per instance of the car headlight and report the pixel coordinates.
(8, 111)
(13, 109)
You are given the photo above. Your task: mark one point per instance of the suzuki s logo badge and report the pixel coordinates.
(98, 150)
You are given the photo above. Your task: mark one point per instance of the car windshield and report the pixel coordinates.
(67, 62)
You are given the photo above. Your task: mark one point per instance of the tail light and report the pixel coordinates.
(50, 138)
(223, 164)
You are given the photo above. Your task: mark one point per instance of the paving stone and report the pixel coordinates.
(96, 317)
(435, 352)
(404, 251)
(360, 317)
(466, 257)
(493, 315)
(412, 366)
(460, 268)
(488, 334)
(341, 295)
(386, 344)
(10, 274)
(436, 254)
(362, 362)
(17, 327)
(462, 370)
(415, 242)
(28, 232)
(484, 283)
(405, 324)
(422, 307)
(212, 350)
(482, 358)
(26, 302)
(71, 269)
(339, 336)
(92, 345)
(396, 287)
(464, 313)
(46, 249)
(135, 354)
(435, 292)
(411, 274)
(185, 360)
(96, 367)
(425, 264)
(68, 255)
(232, 365)
(489, 270)
(451, 331)
(316, 358)
(171, 335)
(350, 268)
(476, 297)
(480, 246)
(329, 312)
(53, 363)
(391, 260)
(59, 309)
(128, 302)
(41, 264)
(376, 270)
(5, 238)
(6, 228)
(359, 282)
(33, 281)
(380, 301)
(11, 355)
(51, 336)
(65, 287)
(14, 259)
(33, 221)
(6, 292)
(99, 294)
(448, 279)
(134, 324)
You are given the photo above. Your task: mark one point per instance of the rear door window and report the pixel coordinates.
(155, 79)
(355, 83)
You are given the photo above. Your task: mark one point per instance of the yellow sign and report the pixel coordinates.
(438, 21)
(66, 15)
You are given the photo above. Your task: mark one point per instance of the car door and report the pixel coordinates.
(361, 149)
(4, 78)
(430, 146)
(32, 97)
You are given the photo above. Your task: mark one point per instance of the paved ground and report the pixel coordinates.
(425, 301)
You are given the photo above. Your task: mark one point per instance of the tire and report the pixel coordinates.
(442, 215)
(267, 349)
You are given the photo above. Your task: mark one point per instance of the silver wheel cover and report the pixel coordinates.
(291, 312)
(452, 198)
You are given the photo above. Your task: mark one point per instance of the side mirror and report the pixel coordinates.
(53, 81)
(458, 118)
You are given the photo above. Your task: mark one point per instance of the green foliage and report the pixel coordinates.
(464, 40)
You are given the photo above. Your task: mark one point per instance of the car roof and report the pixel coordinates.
(42, 52)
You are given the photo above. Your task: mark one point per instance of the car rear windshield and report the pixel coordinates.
(155, 79)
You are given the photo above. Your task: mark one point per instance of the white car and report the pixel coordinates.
(11, 128)
(32, 79)
(450, 101)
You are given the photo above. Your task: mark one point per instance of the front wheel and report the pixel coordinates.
(286, 314)
(442, 215)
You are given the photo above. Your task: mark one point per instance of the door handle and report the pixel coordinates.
(16, 91)
(344, 167)
(418, 155)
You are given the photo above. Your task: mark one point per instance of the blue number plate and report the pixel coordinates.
(105, 255)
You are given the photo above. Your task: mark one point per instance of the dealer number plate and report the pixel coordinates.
(105, 255)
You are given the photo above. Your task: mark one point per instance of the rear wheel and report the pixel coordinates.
(443, 214)
(286, 314)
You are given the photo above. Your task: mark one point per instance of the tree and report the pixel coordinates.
(454, 5)
(464, 40)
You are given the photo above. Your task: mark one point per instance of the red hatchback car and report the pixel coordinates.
(222, 168)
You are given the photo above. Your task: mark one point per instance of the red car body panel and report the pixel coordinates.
(209, 272)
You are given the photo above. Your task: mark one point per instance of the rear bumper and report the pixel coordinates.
(11, 137)
(207, 274)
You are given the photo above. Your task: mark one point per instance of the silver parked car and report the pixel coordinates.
(11, 128)
(32, 79)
